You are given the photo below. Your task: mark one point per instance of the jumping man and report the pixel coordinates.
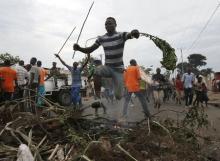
(113, 43)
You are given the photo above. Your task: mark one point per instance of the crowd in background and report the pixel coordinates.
(19, 81)
(188, 88)
(16, 82)
(182, 88)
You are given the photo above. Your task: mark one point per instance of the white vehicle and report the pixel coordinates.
(62, 94)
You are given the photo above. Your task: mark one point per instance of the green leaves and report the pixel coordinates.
(8, 56)
(169, 56)
(196, 118)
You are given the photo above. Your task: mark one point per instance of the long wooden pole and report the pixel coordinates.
(83, 26)
(66, 40)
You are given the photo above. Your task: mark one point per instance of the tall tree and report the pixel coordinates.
(197, 60)
(206, 72)
(182, 67)
(13, 59)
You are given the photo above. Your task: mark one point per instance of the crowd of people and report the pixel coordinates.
(182, 88)
(119, 82)
(22, 81)
(18, 81)
(187, 89)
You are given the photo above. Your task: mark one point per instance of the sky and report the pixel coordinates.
(38, 28)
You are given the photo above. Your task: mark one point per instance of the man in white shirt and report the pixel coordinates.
(188, 81)
(22, 78)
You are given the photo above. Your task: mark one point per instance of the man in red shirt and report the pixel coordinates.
(9, 79)
(132, 84)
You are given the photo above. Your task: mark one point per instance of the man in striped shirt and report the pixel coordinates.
(113, 43)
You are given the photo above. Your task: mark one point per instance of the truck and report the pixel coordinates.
(62, 93)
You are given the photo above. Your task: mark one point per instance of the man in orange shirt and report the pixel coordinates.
(9, 78)
(41, 87)
(132, 83)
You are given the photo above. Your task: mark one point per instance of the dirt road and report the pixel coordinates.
(135, 114)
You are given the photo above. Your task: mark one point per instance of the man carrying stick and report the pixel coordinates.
(76, 80)
(113, 43)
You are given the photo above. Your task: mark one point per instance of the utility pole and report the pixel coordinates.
(182, 59)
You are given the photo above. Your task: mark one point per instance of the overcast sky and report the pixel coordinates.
(39, 27)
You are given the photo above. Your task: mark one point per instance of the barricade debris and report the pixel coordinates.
(62, 134)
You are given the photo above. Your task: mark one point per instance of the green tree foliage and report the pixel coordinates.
(7, 56)
(197, 60)
(182, 67)
(195, 71)
(169, 56)
(206, 72)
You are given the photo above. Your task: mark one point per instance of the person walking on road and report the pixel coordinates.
(188, 81)
(132, 83)
(179, 89)
(158, 80)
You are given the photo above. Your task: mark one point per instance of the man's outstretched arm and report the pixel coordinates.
(86, 50)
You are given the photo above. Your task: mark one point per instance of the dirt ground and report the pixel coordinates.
(214, 98)
(93, 136)
(135, 114)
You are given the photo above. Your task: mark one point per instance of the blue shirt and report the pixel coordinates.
(76, 76)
